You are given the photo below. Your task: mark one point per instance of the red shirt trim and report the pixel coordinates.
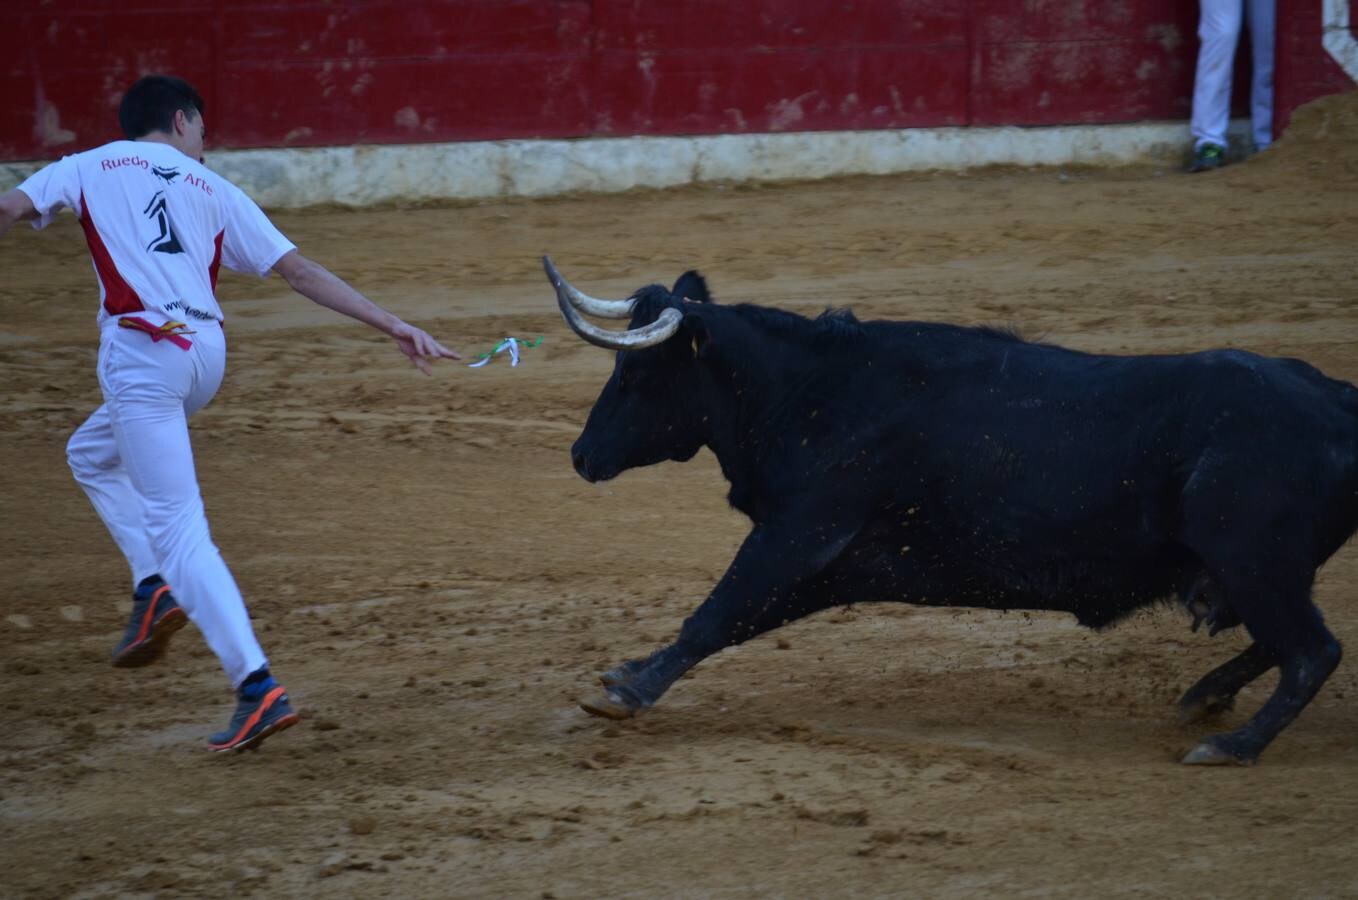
(216, 261)
(119, 298)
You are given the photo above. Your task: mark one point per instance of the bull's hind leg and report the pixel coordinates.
(1288, 628)
(1215, 692)
(1257, 545)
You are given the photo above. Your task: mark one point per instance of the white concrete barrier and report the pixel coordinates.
(368, 175)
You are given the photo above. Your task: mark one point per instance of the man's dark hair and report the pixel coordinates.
(150, 105)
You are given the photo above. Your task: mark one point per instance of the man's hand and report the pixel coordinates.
(420, 347)
(15, 206)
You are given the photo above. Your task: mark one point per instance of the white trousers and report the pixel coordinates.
(1218, 33)
(134, 460)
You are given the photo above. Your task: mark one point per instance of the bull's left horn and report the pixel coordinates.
(593, 306)
(632, 339)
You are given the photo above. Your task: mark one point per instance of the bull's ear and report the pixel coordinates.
(692, 286)
(698, 335)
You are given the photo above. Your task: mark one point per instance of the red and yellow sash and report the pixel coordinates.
(171, 331)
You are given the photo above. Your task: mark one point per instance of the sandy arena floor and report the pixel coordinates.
(438, 588)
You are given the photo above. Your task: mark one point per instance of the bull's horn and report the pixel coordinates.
(593, 306)
(631, 339)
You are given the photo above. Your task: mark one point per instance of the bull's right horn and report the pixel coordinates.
(632, 339)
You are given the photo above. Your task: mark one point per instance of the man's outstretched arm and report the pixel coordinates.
(318, 284)
(15, 206)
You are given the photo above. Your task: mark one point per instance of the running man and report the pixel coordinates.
(159, 224)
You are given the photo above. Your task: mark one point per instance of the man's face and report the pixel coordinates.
(192, 132)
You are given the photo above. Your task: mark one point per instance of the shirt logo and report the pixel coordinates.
(190, 311)
(158, 212)
(167, 175)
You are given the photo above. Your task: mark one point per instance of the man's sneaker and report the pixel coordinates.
(155, 618)
(255, 720)
(1207, 157)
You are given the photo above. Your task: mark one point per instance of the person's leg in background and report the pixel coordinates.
(1261, 16)
(1218, 34)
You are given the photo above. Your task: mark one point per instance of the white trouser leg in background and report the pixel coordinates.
(1261, 16)
(135, 462)
(1218, 33)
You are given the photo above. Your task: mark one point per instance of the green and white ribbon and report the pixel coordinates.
(509, 344)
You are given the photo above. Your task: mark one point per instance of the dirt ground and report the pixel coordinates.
(438, 588)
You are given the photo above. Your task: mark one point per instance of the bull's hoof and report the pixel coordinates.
(1209, 754)
(623, 673)
(610, 706)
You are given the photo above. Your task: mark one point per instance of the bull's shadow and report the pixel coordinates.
(949, 466)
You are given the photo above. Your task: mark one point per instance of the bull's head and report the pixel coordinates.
(649, 410)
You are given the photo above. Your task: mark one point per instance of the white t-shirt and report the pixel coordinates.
(158, 225)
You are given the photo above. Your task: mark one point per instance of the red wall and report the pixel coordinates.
(315, 73)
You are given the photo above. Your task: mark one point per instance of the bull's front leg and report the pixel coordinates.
(767, 585)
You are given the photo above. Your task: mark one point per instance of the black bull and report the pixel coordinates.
(950, 466)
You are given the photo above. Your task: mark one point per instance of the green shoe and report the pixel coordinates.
(1208, 156)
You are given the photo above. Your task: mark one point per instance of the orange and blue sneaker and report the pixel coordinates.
(262, 710)
(154, 620)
